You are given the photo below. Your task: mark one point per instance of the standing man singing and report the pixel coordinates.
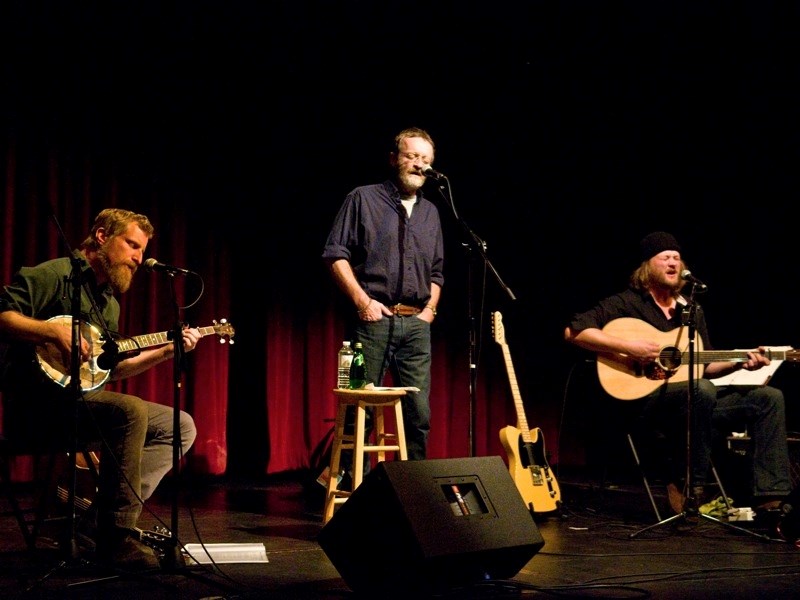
(385, 252)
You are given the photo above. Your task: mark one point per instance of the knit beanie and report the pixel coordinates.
(656, 242)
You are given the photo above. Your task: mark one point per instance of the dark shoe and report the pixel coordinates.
(119, 549)
(699, 494)
(770, 519)
(769, 504)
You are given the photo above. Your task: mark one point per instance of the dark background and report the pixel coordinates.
(568, 130)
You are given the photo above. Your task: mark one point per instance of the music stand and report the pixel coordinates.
(690, 507)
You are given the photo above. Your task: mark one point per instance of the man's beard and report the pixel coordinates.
(674, 286)
(411, 182)
(119, 275)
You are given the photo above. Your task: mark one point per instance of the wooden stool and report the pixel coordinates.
(361, 400)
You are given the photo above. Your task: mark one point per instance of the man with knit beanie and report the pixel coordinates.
(656, 297)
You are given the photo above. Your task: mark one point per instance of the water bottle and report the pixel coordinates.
(358, 376)
(345, 360)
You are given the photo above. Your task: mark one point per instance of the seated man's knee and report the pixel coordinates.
(706, 389)
(188, 430)
(706, 395)
(770, 399)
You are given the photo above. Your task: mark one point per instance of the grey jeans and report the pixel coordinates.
(132, 436)
(135, 453)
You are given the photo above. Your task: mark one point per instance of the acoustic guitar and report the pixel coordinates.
(92, 374)
(527, 461)
(625, 378)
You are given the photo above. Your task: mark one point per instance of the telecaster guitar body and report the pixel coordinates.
(527, 459)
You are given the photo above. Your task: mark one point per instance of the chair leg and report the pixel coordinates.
(30, 520)
(722, 492)
(16, 507)
(644, 478)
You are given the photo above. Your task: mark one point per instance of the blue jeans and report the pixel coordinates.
(761, 410)
(402, 347)
(665, 411)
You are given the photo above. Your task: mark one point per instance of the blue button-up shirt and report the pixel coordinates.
(395, 257)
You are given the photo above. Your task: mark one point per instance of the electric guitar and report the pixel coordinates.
(527, 460)
(92, 373)
(625, 378)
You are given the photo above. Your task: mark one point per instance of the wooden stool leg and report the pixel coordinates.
(358, 444)
(401, 431)
(380, 431)
(336, 455)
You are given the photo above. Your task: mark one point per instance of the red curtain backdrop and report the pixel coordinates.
(263, 405)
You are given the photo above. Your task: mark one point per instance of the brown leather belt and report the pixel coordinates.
(404, 310)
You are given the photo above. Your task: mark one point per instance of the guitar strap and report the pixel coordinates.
(87, 289)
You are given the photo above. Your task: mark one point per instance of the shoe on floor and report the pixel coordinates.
(772, 504)
(676, 498)
(121, 550)
(769, 517)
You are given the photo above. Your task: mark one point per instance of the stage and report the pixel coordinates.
(588, 551)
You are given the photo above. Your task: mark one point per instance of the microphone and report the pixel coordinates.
(151, 264)
(428, 171)
(686, 275)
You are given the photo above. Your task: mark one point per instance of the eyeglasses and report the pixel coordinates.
(413, 156)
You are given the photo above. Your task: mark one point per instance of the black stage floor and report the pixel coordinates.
(588, 551)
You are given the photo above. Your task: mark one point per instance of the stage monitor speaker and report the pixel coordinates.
(428, 526)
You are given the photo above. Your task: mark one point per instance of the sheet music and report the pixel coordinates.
(377, 388)
(758, 377)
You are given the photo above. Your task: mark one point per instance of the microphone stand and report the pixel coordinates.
(690, 507)
(173, 560)
(475, 243)
(69, 543)
(172, 557)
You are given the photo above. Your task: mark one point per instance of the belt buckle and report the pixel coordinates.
(396, 308)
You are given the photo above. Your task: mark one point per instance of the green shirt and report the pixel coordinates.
(45, 291)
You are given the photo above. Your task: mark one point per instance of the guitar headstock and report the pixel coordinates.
(497, 328)
(224, 330)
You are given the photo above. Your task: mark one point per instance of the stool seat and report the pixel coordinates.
(361, 400)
